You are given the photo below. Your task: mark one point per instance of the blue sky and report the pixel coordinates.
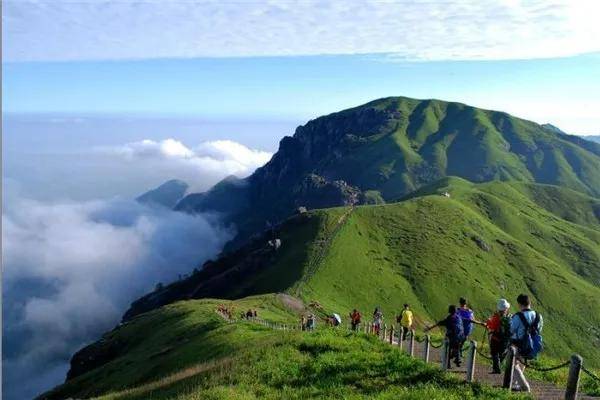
(563, 91)
(297, 60)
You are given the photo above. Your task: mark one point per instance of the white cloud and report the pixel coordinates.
(71, 269)
(200, 166)
(92, 30)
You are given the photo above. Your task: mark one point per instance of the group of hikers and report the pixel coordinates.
(404, 320)
(229, 312)
(250, 314)
(226, 311)
(522, 329)
(308, 322)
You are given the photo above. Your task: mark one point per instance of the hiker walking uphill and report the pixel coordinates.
(468, 320)
(377, 320)
(498, 327)
(405, 320)
(454, 332)
(525, 330)
(468, 317)
(355, 319)
(311, 322)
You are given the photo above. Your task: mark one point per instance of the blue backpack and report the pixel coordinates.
(455, 329)
(531, 344)
(467, 316)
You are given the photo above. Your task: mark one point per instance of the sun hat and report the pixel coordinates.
(503, 305)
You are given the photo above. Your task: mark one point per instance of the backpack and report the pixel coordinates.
(530, 345)
(455, 329)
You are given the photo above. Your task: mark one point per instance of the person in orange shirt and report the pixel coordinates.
(498, 326)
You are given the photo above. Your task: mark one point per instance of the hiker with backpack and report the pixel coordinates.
(311, 322)
(525, 330)
(355, 319)
(377, 320)
(405, 321)
(498, 327)
(468, 319)
(454, 333)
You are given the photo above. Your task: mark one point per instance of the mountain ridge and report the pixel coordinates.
(384, 149)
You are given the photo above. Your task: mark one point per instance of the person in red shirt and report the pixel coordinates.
(355, 319)
(498, 326)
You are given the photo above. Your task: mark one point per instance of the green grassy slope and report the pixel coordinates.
(425, 250)
(486, 241)
(186, 351)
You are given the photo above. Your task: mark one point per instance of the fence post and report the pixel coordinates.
(445, 354)
(426, 349)
(471, 361)
(511, 359)
(574, 375)
(392, 335)
(412, 343)
(401, 338)
(384, 331)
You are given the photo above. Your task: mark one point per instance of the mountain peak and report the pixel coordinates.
(166, 195)
(387, 148)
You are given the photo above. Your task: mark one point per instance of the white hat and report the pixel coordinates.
(503, 305)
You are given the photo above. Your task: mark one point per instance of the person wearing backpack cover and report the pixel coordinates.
(454, 332)
(525, 330)
(405, 321)
(498, 326)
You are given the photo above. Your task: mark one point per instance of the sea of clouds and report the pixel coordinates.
(71, 268)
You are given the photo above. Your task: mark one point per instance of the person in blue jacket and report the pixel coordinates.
(525, 334)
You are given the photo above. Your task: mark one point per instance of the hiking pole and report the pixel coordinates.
(510, 368)
(471, 361)
(426, 350)
(411, 351)
(574, 375)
